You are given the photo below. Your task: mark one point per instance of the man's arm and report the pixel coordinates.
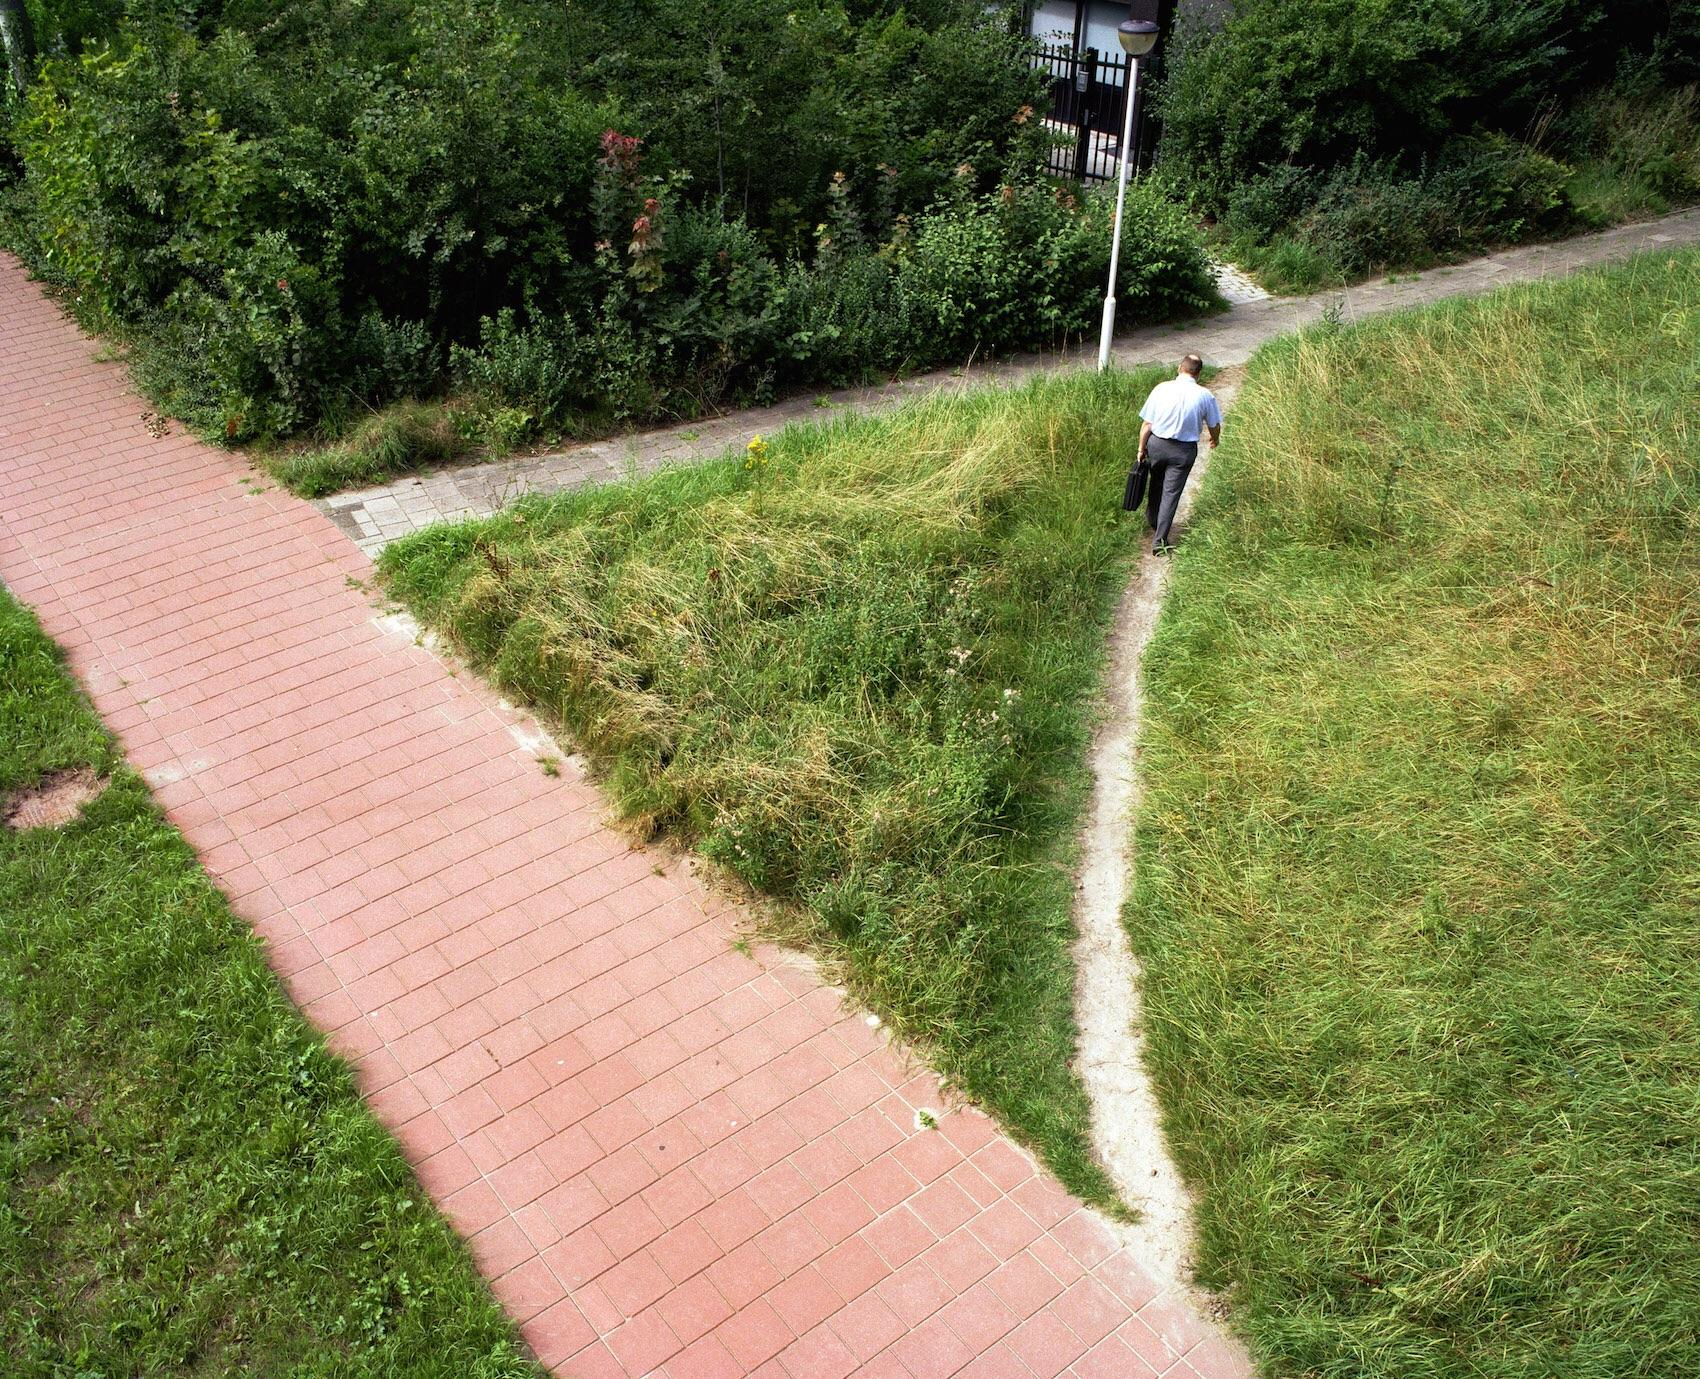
(1144, 435)
(1215, 434)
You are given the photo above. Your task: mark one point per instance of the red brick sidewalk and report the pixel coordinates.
(669, 1157)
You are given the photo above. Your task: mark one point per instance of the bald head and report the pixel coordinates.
(1193, 365)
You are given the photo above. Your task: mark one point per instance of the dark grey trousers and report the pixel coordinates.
(1171, 463)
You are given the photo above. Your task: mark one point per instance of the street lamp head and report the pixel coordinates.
(1138, 36)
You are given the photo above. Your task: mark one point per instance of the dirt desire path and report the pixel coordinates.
(669, 1156)
(373, 517)
(1127, 1128)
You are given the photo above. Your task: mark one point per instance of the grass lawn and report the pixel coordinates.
(1418, 889)
(857, 670)
(189, 1184)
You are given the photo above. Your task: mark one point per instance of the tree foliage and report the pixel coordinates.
(305, 206)
(1315, 82)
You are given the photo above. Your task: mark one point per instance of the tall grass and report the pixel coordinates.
(1418, 889)
(855, 667)
(1636, 151)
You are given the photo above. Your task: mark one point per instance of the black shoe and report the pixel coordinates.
(1161, 548)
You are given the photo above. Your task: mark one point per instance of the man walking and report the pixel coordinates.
(1172, 417)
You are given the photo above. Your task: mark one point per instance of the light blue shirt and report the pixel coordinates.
(1179, 408)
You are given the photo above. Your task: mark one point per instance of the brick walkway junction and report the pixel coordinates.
(669, 1157)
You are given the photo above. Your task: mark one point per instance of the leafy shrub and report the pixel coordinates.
(388, 358)
(719, 319)
(1026, 266)
(260, 330)
(544, 366)
(305, 207)
(762, 101)
(1019, 268)
(1265, 204)
(176, 182)
(1301, 228)
(1334, 137)
(1315, 83)
(1497, 190)
(1642, 142)
(844, 320)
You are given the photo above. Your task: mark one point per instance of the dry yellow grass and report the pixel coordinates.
(1421, 845)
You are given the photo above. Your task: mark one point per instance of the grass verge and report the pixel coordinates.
(1419, 855)
(189, 1182)
(855, 666)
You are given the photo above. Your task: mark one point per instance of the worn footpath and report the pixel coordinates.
(669, 1157)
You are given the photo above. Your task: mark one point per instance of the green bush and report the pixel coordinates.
(544, 366)
(1316, 83)
(1638, 145)
(1332, 138)
(1301, 228)
(391, 358)
(298, 209)
(845, 321)
(1478, 193)
(1025, 267)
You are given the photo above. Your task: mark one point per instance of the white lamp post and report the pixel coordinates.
(1138, 37)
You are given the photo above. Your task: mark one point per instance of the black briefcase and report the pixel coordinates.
(1134, 494)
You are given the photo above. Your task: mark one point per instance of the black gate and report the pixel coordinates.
(1088, 91)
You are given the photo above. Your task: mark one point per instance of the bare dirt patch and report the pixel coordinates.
(57, 800)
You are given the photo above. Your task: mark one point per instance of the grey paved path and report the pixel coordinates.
(374, 517)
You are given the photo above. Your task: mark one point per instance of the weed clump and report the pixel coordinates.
(404, 437)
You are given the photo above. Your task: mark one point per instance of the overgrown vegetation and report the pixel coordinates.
(404, 436)
(855, 666)
(1019, 268)
(189, 1182)
(577, 216)
(1331, 140)
(1419, 855)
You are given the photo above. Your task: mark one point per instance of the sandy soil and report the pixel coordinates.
(57, 800)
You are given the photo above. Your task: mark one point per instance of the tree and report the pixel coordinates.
(19, 39)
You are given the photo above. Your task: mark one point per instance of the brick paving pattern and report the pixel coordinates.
(374, 517)
(669, 1157)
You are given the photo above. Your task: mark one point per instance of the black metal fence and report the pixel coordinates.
(1088, 91)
